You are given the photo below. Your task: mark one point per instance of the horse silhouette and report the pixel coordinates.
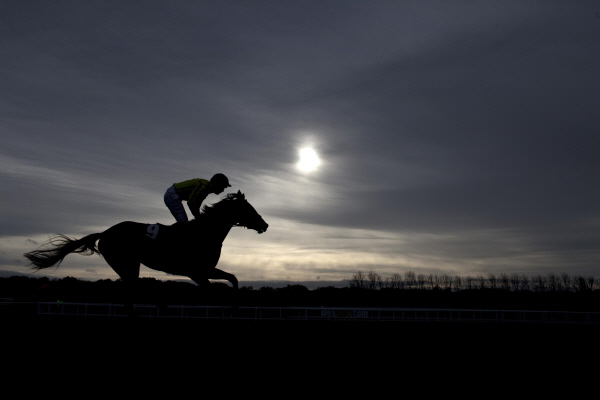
(189, 249)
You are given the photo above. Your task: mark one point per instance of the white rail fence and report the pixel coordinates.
(91, 310)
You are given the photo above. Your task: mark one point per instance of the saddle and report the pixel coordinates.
(160, 234)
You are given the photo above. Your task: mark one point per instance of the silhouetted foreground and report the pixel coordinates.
(153, 291)
(285, 347)
(352, 348)
(189, 249)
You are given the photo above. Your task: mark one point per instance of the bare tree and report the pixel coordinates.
(567, 282)
(358, 280)
(437, 282)
(591, 282)
(515, 280)
(540, 283)
(492, 280)
(447, 281)
(421, 281)
(396, 281)
(374, 280)
(525, 284)
(469, 282)
(504, 282)
(560, 286)
(430, 281)
(580, 283)
(387, 282)
(379, 282)
(480, 282)
(553, 282)
(458, 283)
(410, 279)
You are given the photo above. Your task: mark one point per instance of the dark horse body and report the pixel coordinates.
(190, 249)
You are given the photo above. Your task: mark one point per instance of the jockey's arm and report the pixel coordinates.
(194, 208)
(197, 197)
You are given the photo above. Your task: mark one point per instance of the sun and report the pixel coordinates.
(309, 160)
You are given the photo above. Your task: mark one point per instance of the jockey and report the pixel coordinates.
(194, 191)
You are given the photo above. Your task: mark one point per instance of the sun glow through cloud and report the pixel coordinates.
(309, 160)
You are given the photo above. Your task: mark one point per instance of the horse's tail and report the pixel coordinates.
(61, 246)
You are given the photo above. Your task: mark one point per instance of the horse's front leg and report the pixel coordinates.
(216, 273)
(203, 281)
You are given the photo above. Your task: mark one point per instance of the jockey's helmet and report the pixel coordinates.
(220, 180)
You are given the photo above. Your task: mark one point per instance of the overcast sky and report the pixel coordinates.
(457, 137)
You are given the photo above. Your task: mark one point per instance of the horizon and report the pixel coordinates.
(254, 284)
(380, 281)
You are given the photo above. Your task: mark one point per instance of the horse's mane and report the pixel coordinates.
(209, 209)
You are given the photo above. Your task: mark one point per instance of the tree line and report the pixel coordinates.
(514, 282)
(365, 289)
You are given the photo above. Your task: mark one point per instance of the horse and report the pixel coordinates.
(189, 249)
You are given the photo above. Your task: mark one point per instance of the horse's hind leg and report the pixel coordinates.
(129, 273)
(128, 269)
(121, 246)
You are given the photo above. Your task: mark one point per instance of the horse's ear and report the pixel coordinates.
(241, 195)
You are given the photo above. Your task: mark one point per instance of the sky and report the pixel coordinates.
(453, 138)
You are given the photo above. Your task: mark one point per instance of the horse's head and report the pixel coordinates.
(241, 212)
(247, 215)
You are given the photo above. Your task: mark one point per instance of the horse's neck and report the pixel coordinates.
(214, 230)
(221, 231)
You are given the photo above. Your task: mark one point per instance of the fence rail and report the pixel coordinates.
(100, 310)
